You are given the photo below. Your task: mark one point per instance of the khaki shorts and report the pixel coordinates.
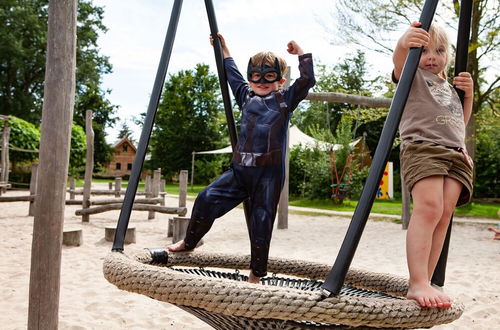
(422, 159)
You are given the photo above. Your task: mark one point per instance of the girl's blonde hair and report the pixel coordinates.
(439, 37)
(268, 58)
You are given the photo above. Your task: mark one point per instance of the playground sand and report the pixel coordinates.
(88, 301)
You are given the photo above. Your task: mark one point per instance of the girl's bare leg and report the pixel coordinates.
(427, 211)
(451, 192)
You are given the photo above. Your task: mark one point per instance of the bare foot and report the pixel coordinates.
(496, 231)
(427, 296)
(253, 279)
(177, 247)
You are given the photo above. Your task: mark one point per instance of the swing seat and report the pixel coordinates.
(291, 301)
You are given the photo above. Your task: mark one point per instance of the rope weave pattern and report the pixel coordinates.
(233, 298)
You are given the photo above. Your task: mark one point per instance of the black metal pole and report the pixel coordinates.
(336, 277)
(461, 57)
(122, 225)
(440, 271)
(219, 60)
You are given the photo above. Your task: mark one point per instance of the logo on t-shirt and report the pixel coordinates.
(446, 96)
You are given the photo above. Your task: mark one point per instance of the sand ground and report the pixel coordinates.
(88, 301)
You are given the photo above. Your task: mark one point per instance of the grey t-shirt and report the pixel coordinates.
(433, 112)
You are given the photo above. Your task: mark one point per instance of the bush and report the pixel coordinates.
(487, 162)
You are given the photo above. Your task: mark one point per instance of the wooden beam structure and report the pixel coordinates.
(367, 101)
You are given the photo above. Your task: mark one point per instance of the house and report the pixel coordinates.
(123, 158)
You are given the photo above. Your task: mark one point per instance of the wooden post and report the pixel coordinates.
(57, 116)
(162, 190)
(155, 189)
(5, 155)
(110, 185)
(33, 182)
(89, 164)
(406, 202)
(192, 168)
(283, 203)
(72, 187)
(147, 186)
(118, 187)
(183, 178)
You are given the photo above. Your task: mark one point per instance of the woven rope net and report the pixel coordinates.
(145, 274)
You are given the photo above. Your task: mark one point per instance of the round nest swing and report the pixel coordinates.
(225, 300)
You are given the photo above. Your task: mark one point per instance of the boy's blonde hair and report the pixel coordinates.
(268, 58)
(439, 37)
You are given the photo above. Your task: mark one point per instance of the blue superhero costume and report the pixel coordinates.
(257, 168)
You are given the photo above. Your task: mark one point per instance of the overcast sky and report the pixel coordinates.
(137, 30)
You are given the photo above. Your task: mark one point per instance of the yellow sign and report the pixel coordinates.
(385, 188)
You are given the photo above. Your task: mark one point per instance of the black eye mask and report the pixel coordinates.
(262, 70)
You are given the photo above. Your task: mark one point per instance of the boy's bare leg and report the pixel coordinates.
(428, 208)
(253, 279)
(177, 247)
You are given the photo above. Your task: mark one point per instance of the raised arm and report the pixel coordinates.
(413, 37)
(294, 48)
(225, 50)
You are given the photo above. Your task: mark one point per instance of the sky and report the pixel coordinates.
(137, 29)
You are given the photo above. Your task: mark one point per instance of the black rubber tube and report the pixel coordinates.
(219, 60)
(336, 277)
(461, 57)
(122, 225)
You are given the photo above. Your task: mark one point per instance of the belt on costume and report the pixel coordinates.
(257, 159)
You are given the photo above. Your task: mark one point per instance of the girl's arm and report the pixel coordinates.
(413, 37)
(465, 83)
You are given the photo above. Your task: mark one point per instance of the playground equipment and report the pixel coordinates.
(224, 300)
(340, 187)
(154, 192)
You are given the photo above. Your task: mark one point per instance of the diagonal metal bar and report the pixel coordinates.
(219, 60)
(122, 225)
(461, 56)
(336, 277)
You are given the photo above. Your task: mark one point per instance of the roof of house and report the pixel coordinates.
(124, 140)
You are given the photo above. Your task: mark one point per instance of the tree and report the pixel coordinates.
(22, 65)
(376, 24)
(125, 132)
(24, 142)
(346, 77)
(190, 118)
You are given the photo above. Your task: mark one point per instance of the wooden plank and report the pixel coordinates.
(136, 207)
(6, 199)
(372, 102)
(105, 201)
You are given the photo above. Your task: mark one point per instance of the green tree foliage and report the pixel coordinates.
(24, 141)
(348, 76)
(125, 131)
(23, 135)
(313, 171)
(22, 66)
(78, 150)
(487, 165)
(189, 118)
(376, 24)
